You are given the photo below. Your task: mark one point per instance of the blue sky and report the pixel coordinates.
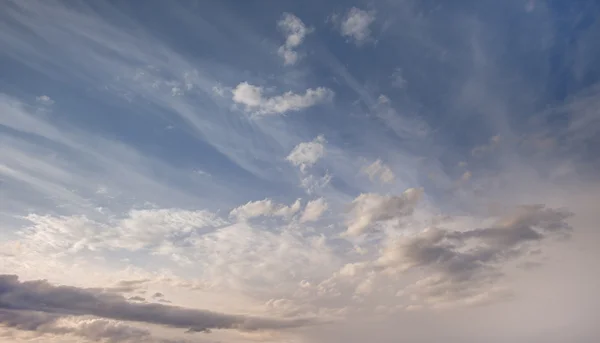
(296, 167)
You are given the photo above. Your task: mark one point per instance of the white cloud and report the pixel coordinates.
(306, 154)
(44, 100)
(313, 210)
(254, 100)
(295, 32)
(139, 229)
(265, 207)
(313, 184)
(379, 170)
(370, 208)
(355, 25)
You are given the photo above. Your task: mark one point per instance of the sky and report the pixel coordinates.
(299, 171)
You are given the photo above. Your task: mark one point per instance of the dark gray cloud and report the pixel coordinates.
(137, 298)
(468, 264)
(41, 296)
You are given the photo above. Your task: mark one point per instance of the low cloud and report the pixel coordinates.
(313, 211)
(465, 266)
(306, 154)
(93, 329)
(265, 207)
(355, 24)
(379, 170)
(295, 31)
(40, 296)
(254, 100)
(370, 208)
(44, 100)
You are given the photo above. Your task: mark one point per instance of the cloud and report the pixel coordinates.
(355, 25)
(295, 31)
(306, 154)
(92, 329)
(465, 266)
(370, 208)
(254, 101)
(41, 296)
(379, 170)
(44, 100)
(265, 207)
(139, 229)
(484, 149)
(313, 210)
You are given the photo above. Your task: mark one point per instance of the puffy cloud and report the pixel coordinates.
(44, 100)
(370, 208)
(254, 100)
(313, 210)
(306, 154)
(379, 170)
(465, 266)
(355, 25)
(41, 296)
(265, 207)
(295, 31)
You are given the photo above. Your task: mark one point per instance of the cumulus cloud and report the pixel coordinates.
(379, 170)
(465, 266)
(370, 208)
(355, 25)
(41, 296)
(44, 100)
(306, 154)
(265, 207)
(253, 99)
(295, 31)
(313, 210)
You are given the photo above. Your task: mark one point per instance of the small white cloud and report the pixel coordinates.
(313, 210)
(306, 154)
(44, 100)
(379, 170)
(295, 31)
(253, 99)
(264, 207)
(355, 25)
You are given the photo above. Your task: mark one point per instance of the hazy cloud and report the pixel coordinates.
(370, 208)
